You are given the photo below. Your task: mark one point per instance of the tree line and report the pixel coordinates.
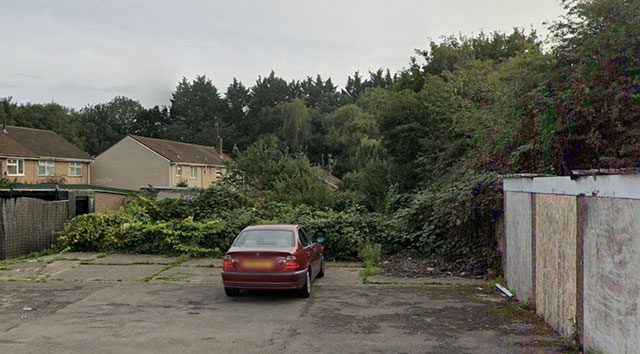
(463, 111)
(493, 102)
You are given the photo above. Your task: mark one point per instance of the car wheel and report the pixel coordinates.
(231, 291)
(322, 266)
(306, 288)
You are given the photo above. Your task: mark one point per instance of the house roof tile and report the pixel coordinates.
(30, 142)
(183, 152)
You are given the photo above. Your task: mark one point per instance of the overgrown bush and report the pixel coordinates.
(450, 220)
(453, 220)
(206, 223)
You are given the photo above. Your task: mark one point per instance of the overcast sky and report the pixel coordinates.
(86, 52)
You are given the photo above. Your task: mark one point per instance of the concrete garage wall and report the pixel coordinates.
(556, 272)
(29, 225)
(612, 275)
(109, 201)
(519, 255)
(586, 254)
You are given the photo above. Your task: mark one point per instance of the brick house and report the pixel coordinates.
(30, 155)
(138, 161)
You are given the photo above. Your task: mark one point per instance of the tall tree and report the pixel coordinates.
(595, 86)
(416, 129)
(319, 95)
(107, 123)
(296, 125)
(152, 122)
(269, 92)
(345, 128)
(196, 106)
(237, 99)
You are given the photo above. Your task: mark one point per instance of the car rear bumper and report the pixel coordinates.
(276, 281)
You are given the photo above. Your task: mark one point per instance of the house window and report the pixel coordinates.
(15, 167)
(75, 169)
(46, 168)
(192, 172)
(218, 172)
(178, 170)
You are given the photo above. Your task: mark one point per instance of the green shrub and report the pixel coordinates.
(92, 233)
(371, 253)
(453, 221)
(203, 226)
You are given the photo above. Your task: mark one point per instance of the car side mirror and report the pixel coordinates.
(320, 240)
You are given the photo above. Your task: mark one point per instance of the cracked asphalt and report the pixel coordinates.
(89, 303)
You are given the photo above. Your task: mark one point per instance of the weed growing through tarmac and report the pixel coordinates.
(371, 255)
(369, 270)
(35, 255)
(177, 261)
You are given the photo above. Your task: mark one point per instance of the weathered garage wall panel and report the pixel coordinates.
(612, 275)
(29, 225)
(519, 255)
(109, 201)
(556, 273)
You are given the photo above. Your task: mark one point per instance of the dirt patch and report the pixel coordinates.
(413, 265)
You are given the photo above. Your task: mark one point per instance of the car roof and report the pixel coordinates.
(285, 227)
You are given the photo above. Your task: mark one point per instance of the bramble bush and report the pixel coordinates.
(452, 220)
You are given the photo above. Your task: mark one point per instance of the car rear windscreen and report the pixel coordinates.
(265, 238)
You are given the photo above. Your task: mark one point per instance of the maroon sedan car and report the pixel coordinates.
(273, 257)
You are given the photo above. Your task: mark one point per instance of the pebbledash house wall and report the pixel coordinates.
(573, 249)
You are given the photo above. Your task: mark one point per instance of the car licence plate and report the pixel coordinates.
(257, 264)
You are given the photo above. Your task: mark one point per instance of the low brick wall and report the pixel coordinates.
(29, 225)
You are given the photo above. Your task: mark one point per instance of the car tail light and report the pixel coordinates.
(291, 263)
(228, 263)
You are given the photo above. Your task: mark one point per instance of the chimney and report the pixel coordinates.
(219, 146)
(4, 127)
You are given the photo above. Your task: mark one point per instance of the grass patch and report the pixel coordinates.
(34, 255)
(206, 266)
(369, 270)
(493, 282)
(433, 283)
(119, 264)
(526, 305)
(64, 259)
(343, 265)
(176, 262)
